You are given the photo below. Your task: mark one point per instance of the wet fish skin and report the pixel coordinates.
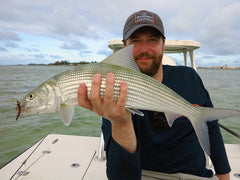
(61, 90)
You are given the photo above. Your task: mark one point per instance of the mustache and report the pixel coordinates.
(146, 55)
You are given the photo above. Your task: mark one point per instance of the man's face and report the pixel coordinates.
(148, 50)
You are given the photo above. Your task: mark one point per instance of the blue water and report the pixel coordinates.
(17, 81)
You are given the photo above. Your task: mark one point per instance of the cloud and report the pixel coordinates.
(11, 44)
(8, 39)
(215, 24)
(32, 49)
(236, 62)
(105, 51)
(84, 52)
(67, 21)
(23, 59)
(49, 18)
(3, 48)
(208, 57)
(73, 45)
(9, 35)
(39, 56)
(45, 56)
(219, 31)
(55, 56)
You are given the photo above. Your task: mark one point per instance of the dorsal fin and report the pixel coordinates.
(122, 57)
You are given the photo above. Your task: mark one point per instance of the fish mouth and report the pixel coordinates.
(19, 110)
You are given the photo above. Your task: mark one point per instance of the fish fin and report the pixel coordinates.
(171, 118)
(122, 57)
(217, 113)
(201, 130)
(199, 123)
(66, 113)
(135, 111)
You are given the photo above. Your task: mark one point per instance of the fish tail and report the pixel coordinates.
(209, 114)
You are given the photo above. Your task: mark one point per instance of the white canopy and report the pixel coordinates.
(171, 46)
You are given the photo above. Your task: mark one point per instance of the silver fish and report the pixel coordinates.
(144, 93)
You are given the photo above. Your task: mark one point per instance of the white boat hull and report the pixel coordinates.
(61, 157)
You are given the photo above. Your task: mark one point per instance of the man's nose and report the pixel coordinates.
(144, 47)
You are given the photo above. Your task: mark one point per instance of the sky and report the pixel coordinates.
(47, 31)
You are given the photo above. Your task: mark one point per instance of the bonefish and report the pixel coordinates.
(144, 93)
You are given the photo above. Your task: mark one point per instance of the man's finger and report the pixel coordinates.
(109, 91)
(82, 97)
(95, 95)
(121, 101)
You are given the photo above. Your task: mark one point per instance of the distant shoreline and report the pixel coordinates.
(83, 62)
(219, 67)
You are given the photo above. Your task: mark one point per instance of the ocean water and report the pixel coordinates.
(16, 81)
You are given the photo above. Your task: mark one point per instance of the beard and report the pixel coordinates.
(149, 69)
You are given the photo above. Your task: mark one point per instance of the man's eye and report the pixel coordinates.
(135, 41)
(154, 40)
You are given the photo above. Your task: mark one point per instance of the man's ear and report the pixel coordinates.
(163, 46)
(124, 43)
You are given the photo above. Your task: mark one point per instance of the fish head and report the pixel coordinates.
(43, 99)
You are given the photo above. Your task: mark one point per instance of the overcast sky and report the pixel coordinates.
(46, 31)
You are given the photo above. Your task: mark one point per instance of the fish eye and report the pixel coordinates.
(31, 96)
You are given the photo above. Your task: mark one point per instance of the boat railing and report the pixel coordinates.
(101, 153)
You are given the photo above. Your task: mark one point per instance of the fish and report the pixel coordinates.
(59, 93)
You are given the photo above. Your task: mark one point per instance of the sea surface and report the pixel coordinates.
(16, 81)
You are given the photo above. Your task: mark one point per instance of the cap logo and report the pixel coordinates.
(144, 17)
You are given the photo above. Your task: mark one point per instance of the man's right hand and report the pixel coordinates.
(115, 111)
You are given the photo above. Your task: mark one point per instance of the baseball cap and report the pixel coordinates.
(140, 19)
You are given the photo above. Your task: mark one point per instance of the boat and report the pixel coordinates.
(59, 156)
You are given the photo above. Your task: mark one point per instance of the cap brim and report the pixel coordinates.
(131, 31)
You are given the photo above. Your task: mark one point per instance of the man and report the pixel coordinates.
(135, 143)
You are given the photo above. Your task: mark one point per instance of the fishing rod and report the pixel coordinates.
(40, 142)
(229, 130)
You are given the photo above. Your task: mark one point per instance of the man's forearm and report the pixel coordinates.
(124, 135)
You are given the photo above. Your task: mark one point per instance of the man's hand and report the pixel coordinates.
(223, 176)
(115, 111)
(108, 108)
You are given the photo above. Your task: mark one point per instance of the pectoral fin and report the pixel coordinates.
(66, 113)
(135, 111)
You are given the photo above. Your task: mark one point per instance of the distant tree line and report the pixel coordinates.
(63, 63)
(58, 63)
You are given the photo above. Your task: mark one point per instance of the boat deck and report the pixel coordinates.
(76, 157)
(59, 157)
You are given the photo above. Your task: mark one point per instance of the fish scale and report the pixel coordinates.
(138, 87)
